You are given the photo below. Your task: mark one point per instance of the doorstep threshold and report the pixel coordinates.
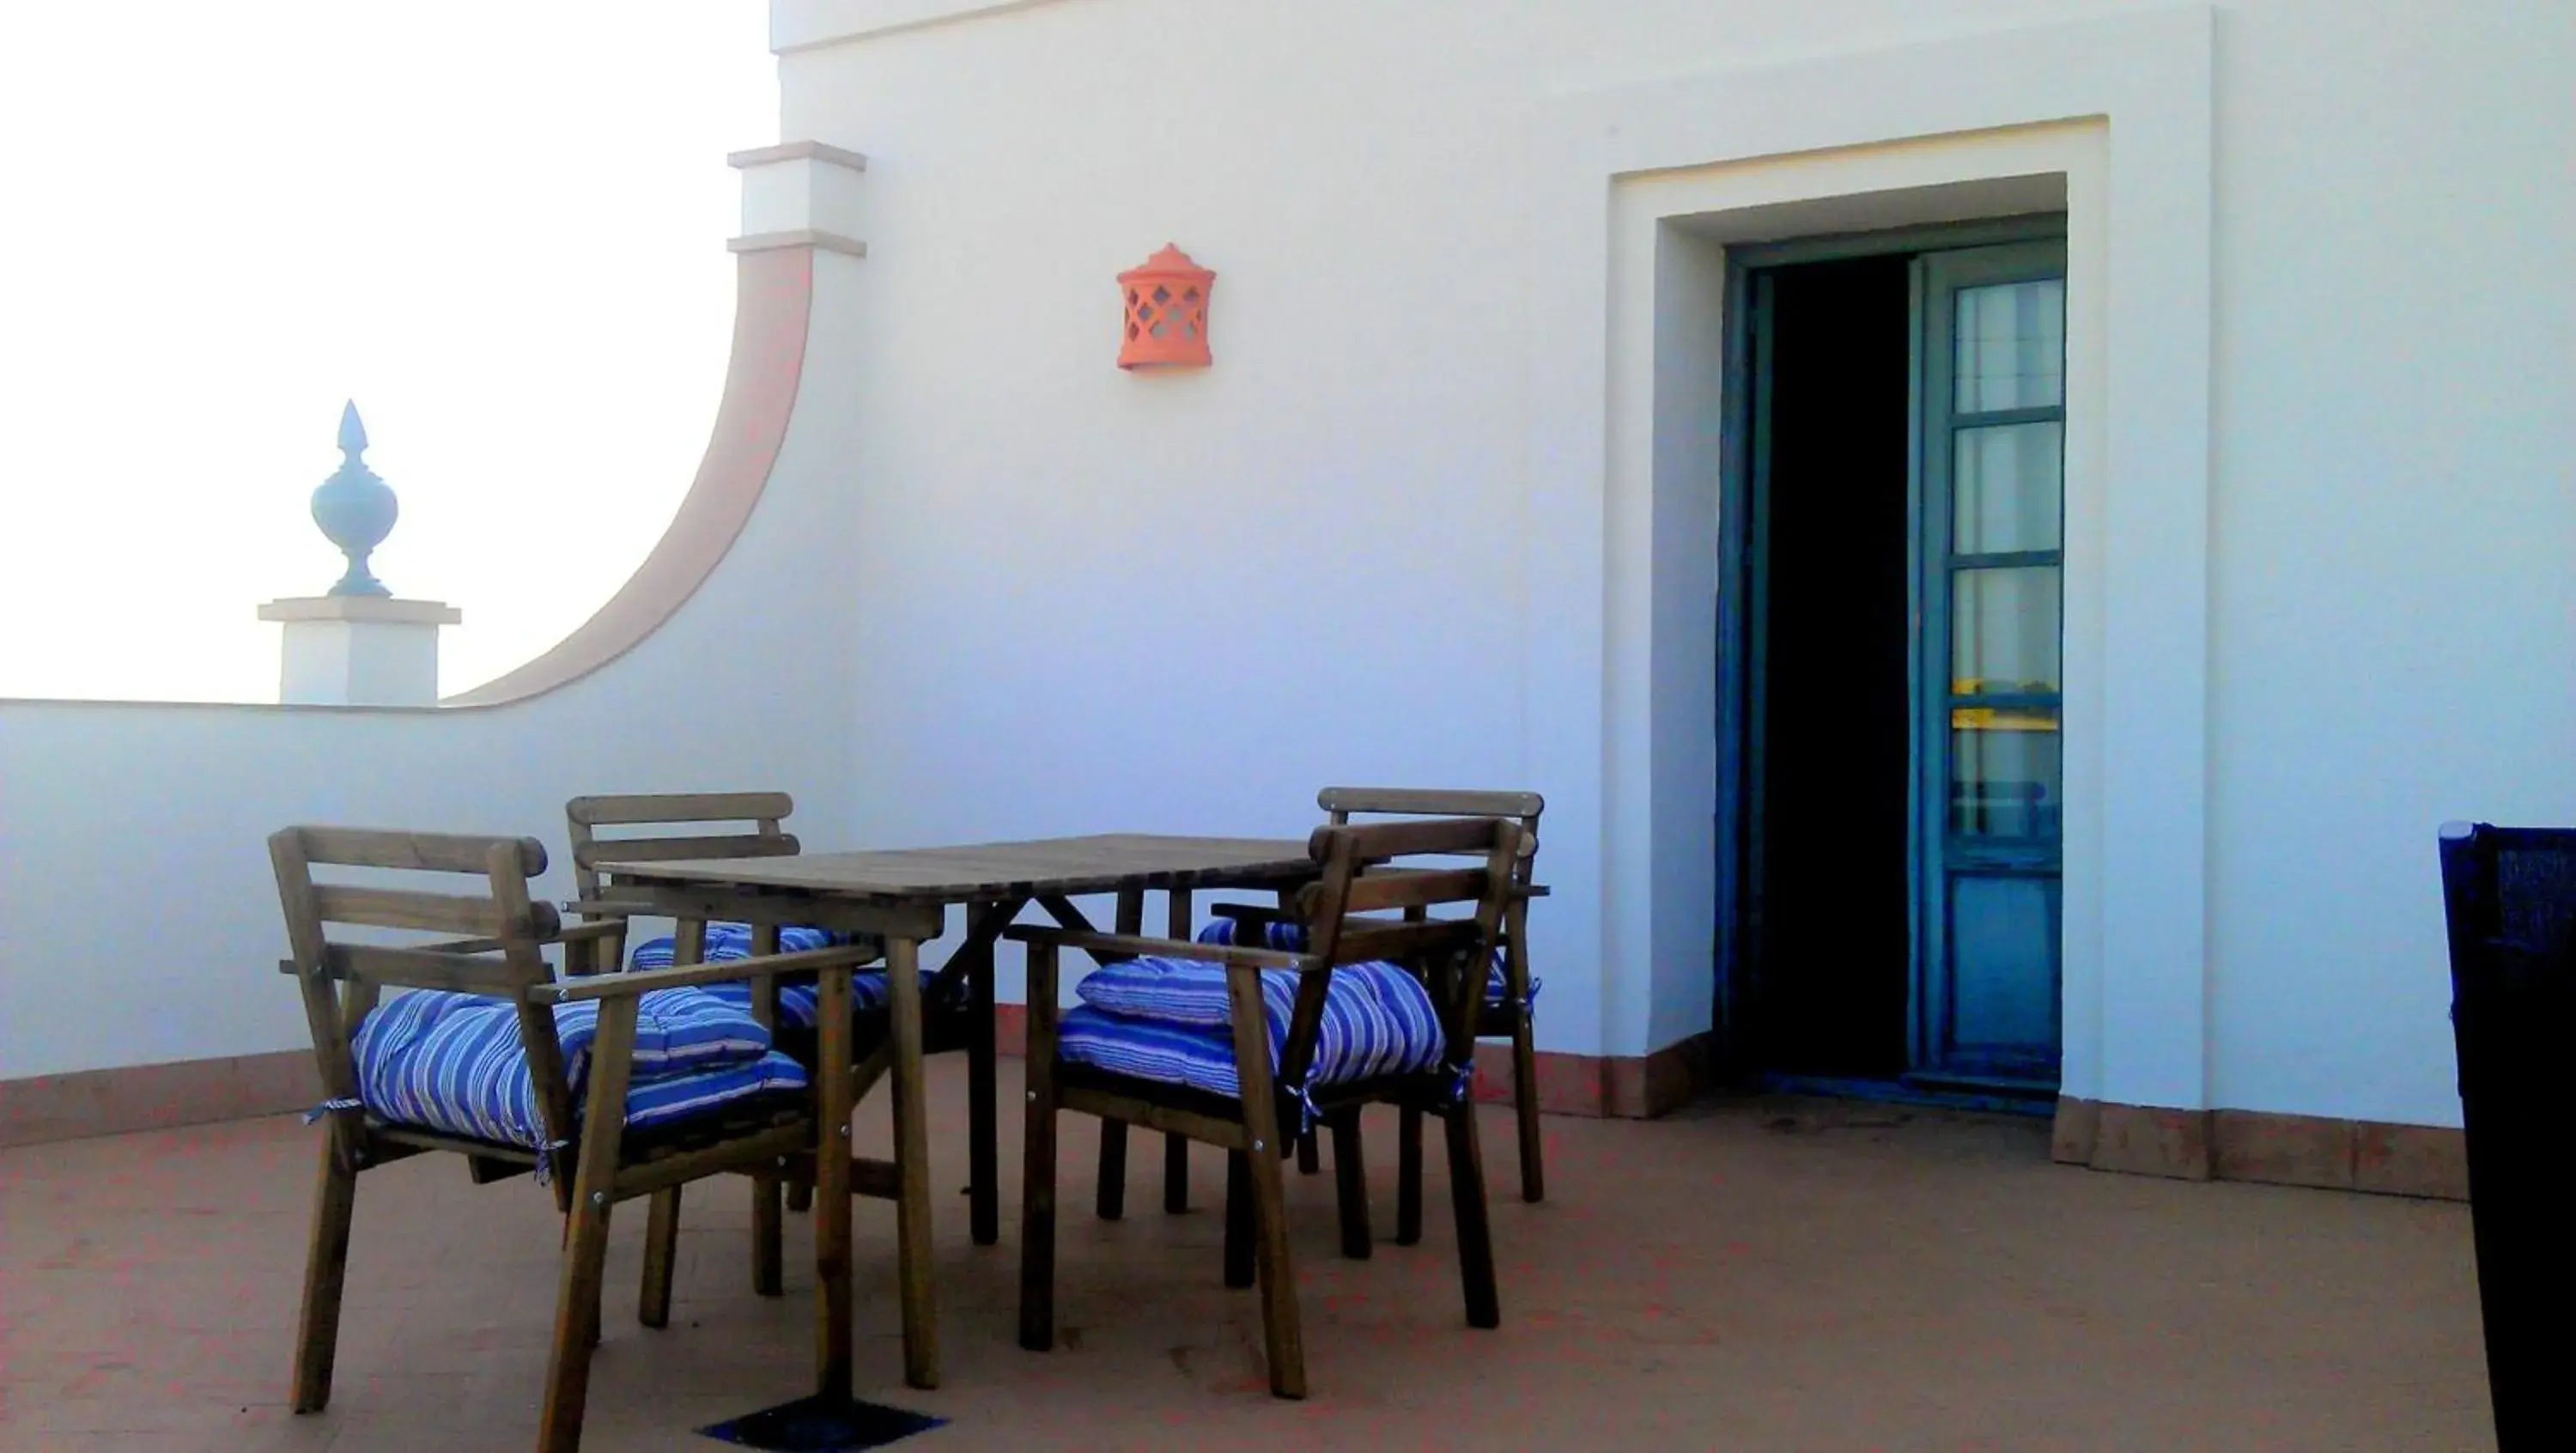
(1998, 1098)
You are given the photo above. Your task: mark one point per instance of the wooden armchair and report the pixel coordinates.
(689, 944)
(1506, 1012)
(1377, 1010)
(475, 1062)
(1507, 1009)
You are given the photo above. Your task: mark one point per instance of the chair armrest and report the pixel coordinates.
(569, 933)
(606, 908)
(644, 981)
(1132, 946)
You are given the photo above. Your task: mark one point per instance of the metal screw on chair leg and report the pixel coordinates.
(1257, 1145)
(599, 1198)
(845, 1132)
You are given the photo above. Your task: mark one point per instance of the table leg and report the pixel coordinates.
(832, 1184)
(768, 1269)
(1112, 1181)
(912, 1159)
(1178, 921)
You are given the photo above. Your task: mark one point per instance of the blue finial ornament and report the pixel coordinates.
(355, 509)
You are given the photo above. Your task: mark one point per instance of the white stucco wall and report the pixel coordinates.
(1379, 539)
(1425, 522)
(2395, 616)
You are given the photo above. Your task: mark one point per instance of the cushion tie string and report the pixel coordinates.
(327, 1106)
(1460, 1076)
(546, 1161)
(1307, 1114)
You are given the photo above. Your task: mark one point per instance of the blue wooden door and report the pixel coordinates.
(1990, 779)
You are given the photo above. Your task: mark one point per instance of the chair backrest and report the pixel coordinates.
(1344, 803)
(763, 810)
(488, 941)
(1340, 908)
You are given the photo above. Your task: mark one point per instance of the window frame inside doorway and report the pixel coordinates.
(1939, 854)
(1740, 632)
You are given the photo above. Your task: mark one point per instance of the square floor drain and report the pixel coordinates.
(822, 1425)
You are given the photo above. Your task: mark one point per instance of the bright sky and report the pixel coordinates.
(498, 225)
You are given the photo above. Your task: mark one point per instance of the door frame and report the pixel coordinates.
(1742, 486)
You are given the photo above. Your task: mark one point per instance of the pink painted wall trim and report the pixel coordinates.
(773, 307)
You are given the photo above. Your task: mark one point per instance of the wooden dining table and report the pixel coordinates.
(902, 896)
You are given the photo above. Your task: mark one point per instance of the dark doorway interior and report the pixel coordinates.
(1832, 952)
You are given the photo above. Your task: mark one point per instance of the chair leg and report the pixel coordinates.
(1113, 1169)
(1408, 1177)
(1350, 1184)
(1310, 1159)
(564, 1239)
(1037, 1168)
(1176, 1173)
(326, 1267)
(576, 1331)
(800, 1195)
(577, 1295)
(661, 1249)
(1525, 1101)
(1238, 1219)
(1037, 1228)
(1281, 1338)
(1266, 1185)
(983, 1104)
(768, 1258)
(829, 1166)
(1475, 1234)
(912, 1156)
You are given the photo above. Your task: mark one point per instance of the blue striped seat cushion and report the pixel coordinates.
(453, 1062)
(1290, 938)
(1378, 1020)
(727, 942)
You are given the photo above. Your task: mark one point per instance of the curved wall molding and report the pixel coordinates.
(796, 25)
(774, 295)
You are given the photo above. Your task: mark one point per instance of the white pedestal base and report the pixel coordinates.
(359, 650)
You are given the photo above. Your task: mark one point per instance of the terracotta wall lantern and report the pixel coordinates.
(1167, 312)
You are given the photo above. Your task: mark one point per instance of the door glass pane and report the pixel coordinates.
(2004, 488)
(2003, 629)
(2006, 772)
(2003, 954)
(2012, 346)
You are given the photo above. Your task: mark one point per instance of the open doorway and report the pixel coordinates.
(1829, 700)
(1895, 680)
